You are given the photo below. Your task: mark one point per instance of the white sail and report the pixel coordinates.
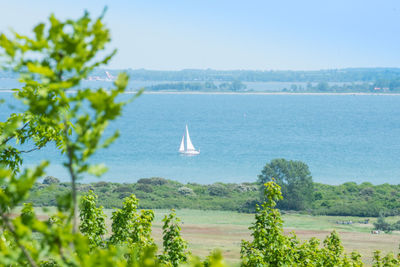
(189, 145)
(182, 147)
(189, 149)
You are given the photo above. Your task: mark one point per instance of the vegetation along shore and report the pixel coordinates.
(348, 199)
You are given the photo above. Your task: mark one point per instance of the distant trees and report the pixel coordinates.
(383, 225)
(235, 86)
(323, 86)
(50, 180)
(295, 179)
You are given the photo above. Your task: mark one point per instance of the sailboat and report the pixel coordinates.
(189, 148)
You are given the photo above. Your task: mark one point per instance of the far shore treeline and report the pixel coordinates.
(348, 199)
(378, 80)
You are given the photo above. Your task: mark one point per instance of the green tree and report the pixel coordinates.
(237, 86)
(132, 228)
(383, 225)
(323, 86)
(270, 247)
(295, 179)
(92, 219)
(175, 247)
(50, 63)
(50, 180)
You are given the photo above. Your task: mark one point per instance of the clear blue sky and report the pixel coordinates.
(227, 34)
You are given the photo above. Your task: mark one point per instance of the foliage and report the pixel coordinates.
(385, 226)
(186, 191)
(58, 56)
(131, 228)
(153, 181)
(349, 199)
(50, 180)
(387, 261)
(270, 247)
(175, 248)
(215, 259)
(92, 223)
(295, 180)
(218, 190)
(196, 86)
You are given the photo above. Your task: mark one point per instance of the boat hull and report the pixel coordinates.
(190, 153)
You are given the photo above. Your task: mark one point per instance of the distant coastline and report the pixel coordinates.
(258, 93)
(242, 93)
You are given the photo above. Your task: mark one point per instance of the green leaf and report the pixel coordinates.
(97, 170)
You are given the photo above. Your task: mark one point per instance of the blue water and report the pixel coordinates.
(341, 138)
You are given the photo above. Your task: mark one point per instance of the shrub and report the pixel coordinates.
(123, 188)
(51, 180)
(271, 247)
(368, 191)
(100, 184)
(382, 225)
(218, 190)
(153, 181)
(249, 206)
(92, 219)
(175, 247)
(245, 188)
(144, 187)
(186, 191)
(124, 195)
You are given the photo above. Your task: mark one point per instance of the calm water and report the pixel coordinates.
(341, 138)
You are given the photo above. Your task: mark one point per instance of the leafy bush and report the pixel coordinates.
(153, 181)
(51, 180)
(92, 223)
(242, 188)
(218, 190)
(101, 184)
(175, 247)
(123, 188)
(144, 187)
(186, 191)
(270, 247)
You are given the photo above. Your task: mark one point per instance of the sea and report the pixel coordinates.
(341, 138)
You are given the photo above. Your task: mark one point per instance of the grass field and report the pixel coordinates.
(208, 230)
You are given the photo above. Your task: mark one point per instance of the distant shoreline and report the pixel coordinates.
(258, 93)
(240, 93)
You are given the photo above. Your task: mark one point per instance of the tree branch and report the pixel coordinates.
(12, 136)
(30, 150)
(11, 228)
(73, 181)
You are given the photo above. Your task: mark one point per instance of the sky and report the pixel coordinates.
(228, 34)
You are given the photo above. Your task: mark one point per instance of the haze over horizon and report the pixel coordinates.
(233, 35)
